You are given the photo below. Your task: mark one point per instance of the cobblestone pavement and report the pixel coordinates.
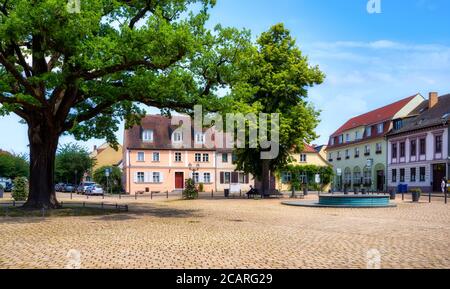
(232, 234)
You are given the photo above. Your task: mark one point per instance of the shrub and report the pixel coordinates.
(20, 190)
(190, 192)
(416, 190)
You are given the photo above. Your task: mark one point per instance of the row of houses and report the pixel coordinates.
(406, 142)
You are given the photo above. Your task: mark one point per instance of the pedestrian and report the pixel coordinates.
(444, 185)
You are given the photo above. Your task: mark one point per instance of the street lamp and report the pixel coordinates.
(193, 169)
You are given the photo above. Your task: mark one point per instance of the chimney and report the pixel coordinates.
(433, 100)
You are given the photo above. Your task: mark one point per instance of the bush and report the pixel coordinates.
(114, 179)
(20, 190)
(416, 190)
(190, 192)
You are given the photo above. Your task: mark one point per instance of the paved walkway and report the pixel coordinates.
(232, 234)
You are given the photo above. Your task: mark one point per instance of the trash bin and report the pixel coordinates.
(405, 188)
(227, 193)
(400, 188)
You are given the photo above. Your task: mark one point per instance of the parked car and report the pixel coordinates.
(8, 188)
(83, 187)
(94, 190)
(59, 187)
(69, 188)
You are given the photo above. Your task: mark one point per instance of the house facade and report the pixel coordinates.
(418, 148)
(358, 149)
(106, 155)
(309, 156)
(158, 157)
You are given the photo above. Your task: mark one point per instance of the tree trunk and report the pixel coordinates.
(265, 178)
(43, 144)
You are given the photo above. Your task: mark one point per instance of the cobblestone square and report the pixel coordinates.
(232, 234)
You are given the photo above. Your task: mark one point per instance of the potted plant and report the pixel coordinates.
(416, 194)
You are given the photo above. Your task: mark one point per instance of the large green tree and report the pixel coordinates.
(275, 80)
(13, 166)
(65, 71)
(72, 161)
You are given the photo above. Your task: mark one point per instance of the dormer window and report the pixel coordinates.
(368, 131)
(347, 138)
(340, 139)
(356, 135)
(380, 128)
(332, 141)
(177, 137)
(200, 138)
(147, 135)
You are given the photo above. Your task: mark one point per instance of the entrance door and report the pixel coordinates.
(380, 181)
(179, 181)
(438, 175)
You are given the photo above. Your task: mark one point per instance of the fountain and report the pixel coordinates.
(346, 201)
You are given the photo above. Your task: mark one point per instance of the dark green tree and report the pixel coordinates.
(13, 166)
(113, 182)
(275, 80)
(65, 71)
(72, 161)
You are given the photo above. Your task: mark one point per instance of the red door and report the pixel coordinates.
(179, 180)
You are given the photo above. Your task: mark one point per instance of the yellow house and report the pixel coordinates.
(309, 156)
(105, 155)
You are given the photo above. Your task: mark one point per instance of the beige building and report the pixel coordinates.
(105, 155)
(309, 156)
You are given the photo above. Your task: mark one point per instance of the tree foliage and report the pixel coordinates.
(275, 79)
(13, 166)
(83, 73)
(113, 182)
(309, 171)
(72, 161)
(190, 191)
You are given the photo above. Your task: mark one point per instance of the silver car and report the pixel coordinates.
(94, 190)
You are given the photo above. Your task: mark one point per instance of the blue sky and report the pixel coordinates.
(370, 59)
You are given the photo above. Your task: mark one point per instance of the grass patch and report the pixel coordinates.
(64, 212)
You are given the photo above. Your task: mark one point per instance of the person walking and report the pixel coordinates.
(444, 185)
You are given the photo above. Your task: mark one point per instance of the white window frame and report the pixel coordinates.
(196, 177)
(368, 131)
(138, 177)
(200, 138)
(177, 137)
(205, 158)
(198, 157)
(158, 157)
(227, 178)
(148, 135)
(139, 154)
(156, 177)
(380, 128)
(180, 159)
(207, 178)
(303, 158)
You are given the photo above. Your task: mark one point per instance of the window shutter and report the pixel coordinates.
(234, 177)
(222, 177)
(135, 177)
(161, 177)
(201, 177)
(148, 177)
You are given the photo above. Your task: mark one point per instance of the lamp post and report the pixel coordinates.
(193, 169)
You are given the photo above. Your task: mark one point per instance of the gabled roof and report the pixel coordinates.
(379, 115)
(426, 118)
(162, 134)
(308, 149)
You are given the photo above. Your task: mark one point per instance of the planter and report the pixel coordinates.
(415, 197)
(363, 191)
(305, 191)
(345, 191)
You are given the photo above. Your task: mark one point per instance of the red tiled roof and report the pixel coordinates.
(308, 149)
(376, 116)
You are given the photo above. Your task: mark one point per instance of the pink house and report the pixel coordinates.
(158, 157)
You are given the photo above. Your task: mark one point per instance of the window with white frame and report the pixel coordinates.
(200, 138)
(198, 158)
(380, 128)
(205, 158)
(286, 177)
(178, 157)
(196, 177)
(156, 157)
(347, 137)
(367, 149)
(141, 157)
(225, 158)
(177, 137)
(156, 177)
(140, 177)
(379, 147)
(226, 177)
(207, 178)
(357, 135)
(147, 135)
(368, 131)
(303, 158)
